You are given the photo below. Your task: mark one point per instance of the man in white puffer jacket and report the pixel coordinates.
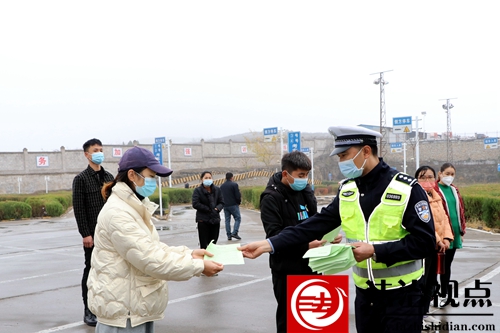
(130, 266)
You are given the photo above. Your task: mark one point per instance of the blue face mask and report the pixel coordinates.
(349, 169)
(298, 183)
(148, 188)
(208, 182)
(98, 158)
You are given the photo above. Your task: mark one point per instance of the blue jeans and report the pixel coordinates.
(235, 211)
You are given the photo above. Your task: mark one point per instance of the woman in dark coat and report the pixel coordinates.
(208, 202)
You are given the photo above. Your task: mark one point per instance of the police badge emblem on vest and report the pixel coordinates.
(423, 211)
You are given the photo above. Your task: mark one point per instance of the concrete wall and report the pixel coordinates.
(22, 170)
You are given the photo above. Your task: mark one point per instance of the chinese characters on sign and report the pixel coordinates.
(293, 141)
(491, 143)
(396, 147)
(244, 149)
(117, 152)
(401, 125)
(187, 152)
(158, 152)
(270, 134)
(42, 161)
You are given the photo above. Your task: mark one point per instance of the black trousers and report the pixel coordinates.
(208, 232)
(445, 278)
(86, 271)
(397, 310)
(430, 281)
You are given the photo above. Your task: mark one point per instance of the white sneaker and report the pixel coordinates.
(432, 320)
(443, 302)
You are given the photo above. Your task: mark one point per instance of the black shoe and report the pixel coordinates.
(89, 318)
(236, 236)
(229, 238)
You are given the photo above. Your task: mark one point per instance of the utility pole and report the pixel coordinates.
(449, 148)
(383, 129)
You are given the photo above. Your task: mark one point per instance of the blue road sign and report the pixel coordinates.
(490, 143)
(305, 150)
(293, 141)
(499, 167)
(396, 147)
(160, 140)
(270, 134)
(401, 124)
(158, 152)
(271, 131)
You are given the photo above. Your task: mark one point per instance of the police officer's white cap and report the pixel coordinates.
(348, 136)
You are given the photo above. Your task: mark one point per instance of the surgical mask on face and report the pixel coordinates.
(447, 180)
(98, 157)
(148, 188)
(298, 183)
(208, 182)
(427, 186)
(349, 169)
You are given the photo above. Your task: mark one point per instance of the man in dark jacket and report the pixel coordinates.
(87, 203)
(232, 200)
(287, 201)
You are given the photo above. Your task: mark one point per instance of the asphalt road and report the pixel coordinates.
(41, 265)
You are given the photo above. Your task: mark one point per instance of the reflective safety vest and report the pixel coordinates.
(384, 225)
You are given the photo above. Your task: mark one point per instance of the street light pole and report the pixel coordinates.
(383, 130)
(169, 142)
(449, 148)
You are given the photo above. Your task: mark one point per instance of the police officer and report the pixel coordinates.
(386, 218)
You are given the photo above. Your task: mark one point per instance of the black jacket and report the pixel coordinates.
(230, 193)
(205, 203)
(418, 244)
(280, 207)
(87, 198)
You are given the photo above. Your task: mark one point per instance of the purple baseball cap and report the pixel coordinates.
(138, 157)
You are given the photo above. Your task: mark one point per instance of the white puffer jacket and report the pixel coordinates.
(130, 265)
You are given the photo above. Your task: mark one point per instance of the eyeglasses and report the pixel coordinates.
(426, 177)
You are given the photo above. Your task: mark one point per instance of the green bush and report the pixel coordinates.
(179, 195)
(256, 192)
(36, 204)
(251, 196)
(64, 198)
(164, 199)
(54, 208)
(491, 212)
(14, 210)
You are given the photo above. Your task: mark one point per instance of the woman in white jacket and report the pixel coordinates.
(130, 266)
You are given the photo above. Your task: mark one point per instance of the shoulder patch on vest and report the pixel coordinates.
(403, 178)
(393, 196)
(423, 211)
(347, 193)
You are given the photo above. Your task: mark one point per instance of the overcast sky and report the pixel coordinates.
(125, 70)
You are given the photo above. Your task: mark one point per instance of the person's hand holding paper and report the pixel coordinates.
(332, 237)
(225, 254)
